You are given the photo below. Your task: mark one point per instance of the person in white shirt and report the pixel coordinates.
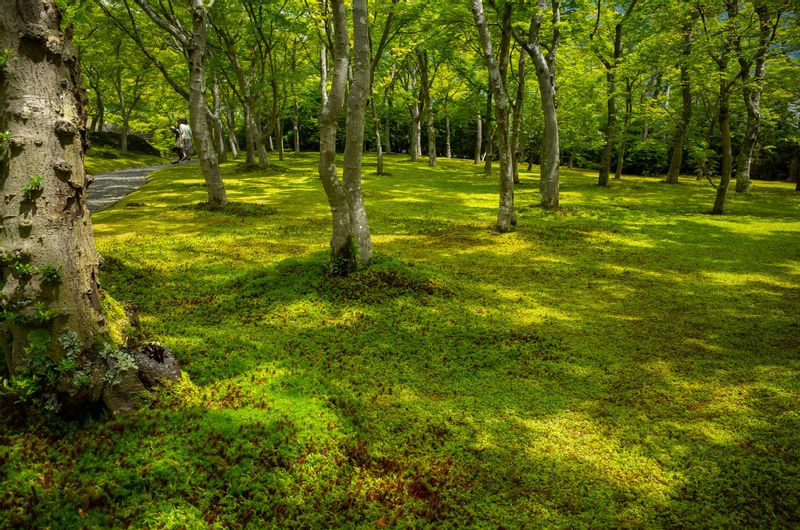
(185, 134)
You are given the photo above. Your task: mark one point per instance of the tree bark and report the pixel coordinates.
(478, 138)
(682, 129)
(354, 145)
(506, 217)
(516, 121)
(296, 128)
(751, 92)
(197, 107)
(351, 246)
(448, 152)
(425, 96)
(46, 224)
(626, 120)
(550, 150)
(488, 138)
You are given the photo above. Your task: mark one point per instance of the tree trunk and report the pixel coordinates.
(197, 107)
(608, 133)
(727, 152)
(516, 122)
(296, 128)
(752, 98)
(354, 145)
(216, 121)
(506, 217)
(550, 150)
(794, 169)
(389, 127)
(415, 130)
(233, 141)
(488, 139)
(425, 95)
(448, 152)
(46, 223)
(279, 136)
(379, 147)
(682, 129)
(350, 242)
(624, 137)
(478, 138)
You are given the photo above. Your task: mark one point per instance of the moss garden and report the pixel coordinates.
(627, 361)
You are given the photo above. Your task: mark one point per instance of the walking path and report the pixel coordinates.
(110, 188)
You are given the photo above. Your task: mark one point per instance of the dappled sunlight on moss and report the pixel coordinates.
(624, 361)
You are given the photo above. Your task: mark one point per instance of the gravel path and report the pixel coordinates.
(110, 188)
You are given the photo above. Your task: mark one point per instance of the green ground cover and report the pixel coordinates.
(103, 160)
(626, 361)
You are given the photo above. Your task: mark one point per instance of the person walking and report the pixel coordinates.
(185, 135)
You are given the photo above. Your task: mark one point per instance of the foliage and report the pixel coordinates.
(5, 55)
(118, 361)
(33, 187)
(50, 274)
(625, 361)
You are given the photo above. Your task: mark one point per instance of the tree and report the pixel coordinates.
(682, 127)
(53, 311)
(351, 244)
(611, 62)
(192, 45)
(753, 72)
(550, 153)
(506, 217)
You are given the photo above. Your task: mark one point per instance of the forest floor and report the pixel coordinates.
(625, 361)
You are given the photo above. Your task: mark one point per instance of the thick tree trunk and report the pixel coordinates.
(197, 108)
(550, 152)
(49, 262)
(506, 217)
(478, 138)
(45, 219)
(682, 128)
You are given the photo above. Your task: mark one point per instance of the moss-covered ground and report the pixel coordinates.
(625, 361)
(103, 160)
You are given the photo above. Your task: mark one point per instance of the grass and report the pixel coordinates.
(625, 361)
(103, 160)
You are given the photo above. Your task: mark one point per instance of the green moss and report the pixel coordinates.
(119, 325)
(624, 361)
(105, 160)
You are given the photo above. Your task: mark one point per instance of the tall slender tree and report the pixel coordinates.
(506, 217)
